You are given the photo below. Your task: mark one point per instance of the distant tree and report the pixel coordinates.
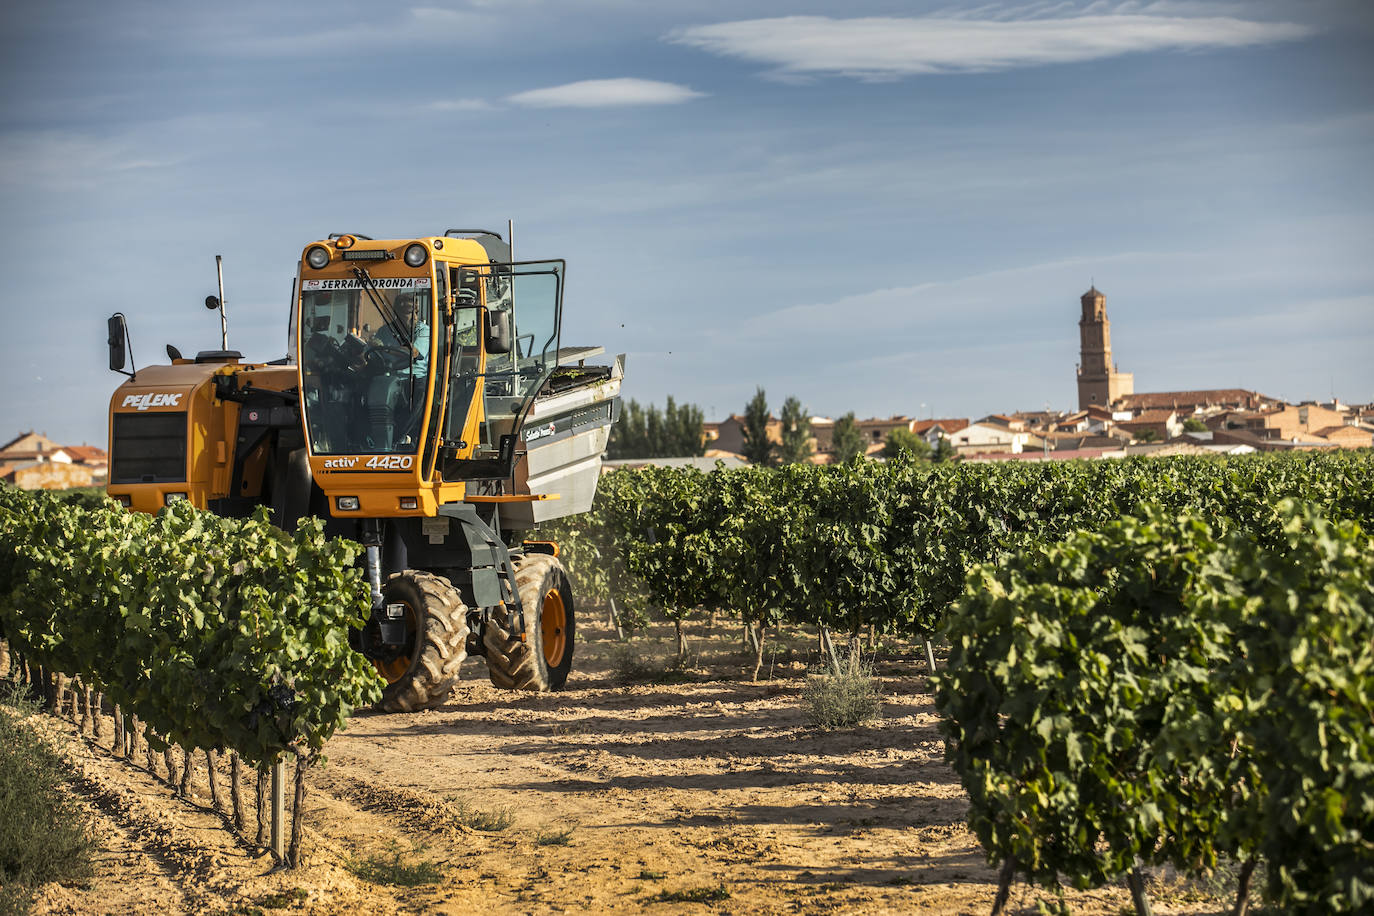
(758, 449)
(676, 432)
(1148, 435)
(944, 451)
(1194, 425)
(847, 441)
(653, 435)
(904, 440)
(796, 433)
(628, 436)
(685, 429)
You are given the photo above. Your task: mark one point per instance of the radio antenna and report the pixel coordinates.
(223, 322)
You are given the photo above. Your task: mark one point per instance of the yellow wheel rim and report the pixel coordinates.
(553, 623)
(396, 669)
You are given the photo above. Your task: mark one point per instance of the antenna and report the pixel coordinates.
(212, 303)
(223, 322)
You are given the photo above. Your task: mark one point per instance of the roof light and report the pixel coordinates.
(368, 254)
(345, 241)
(416, 254)
(317, 257)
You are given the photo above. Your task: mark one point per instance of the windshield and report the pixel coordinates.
(365, 351)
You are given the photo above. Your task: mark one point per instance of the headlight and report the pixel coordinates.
(317, 257)
(346, 503)
(169, 498)
(409, 502)
(125, 500)
(416, 254)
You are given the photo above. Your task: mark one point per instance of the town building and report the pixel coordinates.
(1100, 382)
(32, 461)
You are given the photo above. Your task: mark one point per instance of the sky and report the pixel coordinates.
(873, 206)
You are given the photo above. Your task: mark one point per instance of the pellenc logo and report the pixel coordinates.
(144, 401)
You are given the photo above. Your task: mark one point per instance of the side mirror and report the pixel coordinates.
(498, 332)
(117, 333)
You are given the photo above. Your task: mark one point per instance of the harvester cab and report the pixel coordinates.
(422, 363)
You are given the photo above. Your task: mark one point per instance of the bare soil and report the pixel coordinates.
(690, 791)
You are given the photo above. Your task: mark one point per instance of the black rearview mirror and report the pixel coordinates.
(117, 333)
(498, 332)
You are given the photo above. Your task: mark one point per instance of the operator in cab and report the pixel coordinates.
(414, 336)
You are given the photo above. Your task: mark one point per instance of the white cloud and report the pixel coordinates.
(606, 93)
(995, 295)
(64, 161)
(459, 105)
(889, 48)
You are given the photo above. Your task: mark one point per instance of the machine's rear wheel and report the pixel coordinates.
(422, 675)
(543, 659)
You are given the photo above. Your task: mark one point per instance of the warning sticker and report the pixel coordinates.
(315, 286)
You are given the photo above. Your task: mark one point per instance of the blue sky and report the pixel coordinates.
(881, 207)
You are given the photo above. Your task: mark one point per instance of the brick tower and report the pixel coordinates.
(1099, 384)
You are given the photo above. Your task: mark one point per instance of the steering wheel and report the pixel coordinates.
(325, 352)
(389, 358)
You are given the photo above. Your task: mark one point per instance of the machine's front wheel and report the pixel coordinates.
(542, 660)
(422, 672)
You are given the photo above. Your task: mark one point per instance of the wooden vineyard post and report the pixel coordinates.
(930, 655)
(168, 759)
(828, 647)
(98, 717)
(279, 809)
(615, 619)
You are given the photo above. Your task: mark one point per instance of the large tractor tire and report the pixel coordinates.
(422, 676)
(542, 660)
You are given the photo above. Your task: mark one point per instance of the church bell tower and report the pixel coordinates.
(1099, 384)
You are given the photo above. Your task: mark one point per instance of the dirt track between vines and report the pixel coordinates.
(714, 786)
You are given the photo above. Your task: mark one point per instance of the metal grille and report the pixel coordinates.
(148, 448)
